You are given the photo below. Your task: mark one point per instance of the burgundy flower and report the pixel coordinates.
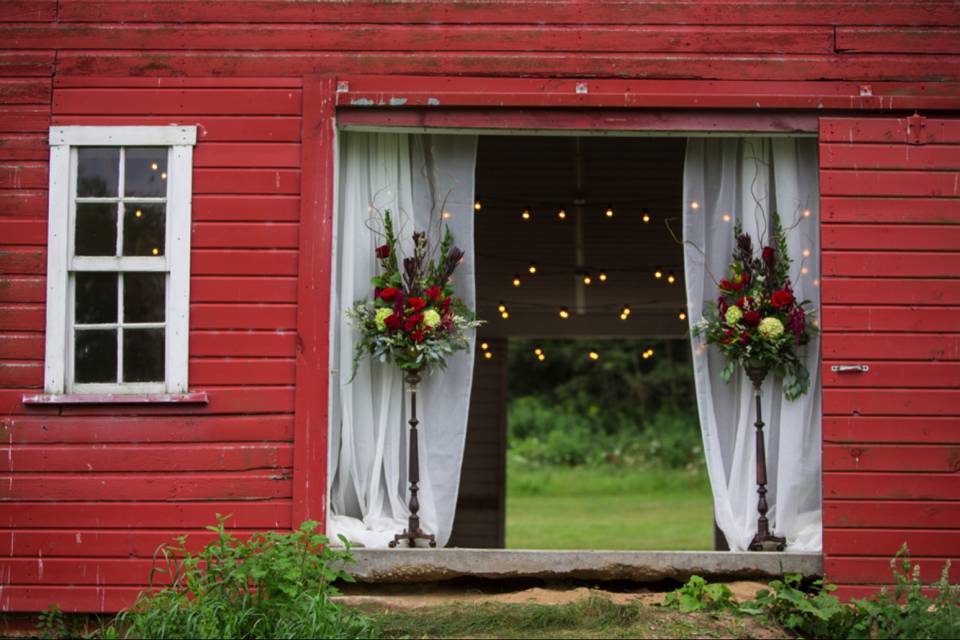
(383, 251)
(781, 298)
(389, 293)
(434, 293)
(394, 321)
(411, 323)
(416, 303)
(744, 338)
(417, 336)
(722, 305)
(751, 318)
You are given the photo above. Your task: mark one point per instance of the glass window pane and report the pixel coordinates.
(98, 172)
(96, 233)
(144, 229)
(95, 355)
(143, 355)
(143, 297)
(96, 298)
(145, 173)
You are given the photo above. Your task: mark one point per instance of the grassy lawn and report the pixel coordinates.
(608, 508)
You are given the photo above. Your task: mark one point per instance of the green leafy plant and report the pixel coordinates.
(271, 585)
(813, 613)
(699, 595)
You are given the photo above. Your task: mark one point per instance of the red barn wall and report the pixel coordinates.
(86, 494)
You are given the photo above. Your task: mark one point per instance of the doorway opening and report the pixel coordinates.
(583, 428)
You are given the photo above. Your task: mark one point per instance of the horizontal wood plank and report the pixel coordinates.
(887, 130)
(23, 175)
(243, 289)
(99, 543)
(272, 154)
(242, 235)
(261, 344)
(242, 316)
(217, 262)
(252, 181)
(900, 514)
(241, 371)
(850, 571)
(890, 291)
(900, 429)
(26, 375)
(889, 156)
(70, 599)
(886, 542)
(181, 486)
(23, 289)
(891, 486)
(144, 457)
(22, 90)
(24, 146)
(891, 237)
(124, 430)
(21, 346)
(927, 184)
(23, 204)
(252, 208)
(23, 260)
(24, 118)
(906, 319)
(912, 402)
(940, 459)
(210, 128)
(894, 375)
(899, 40)
(247, 514)
(194, 102)
(28, 10)
(893, 264)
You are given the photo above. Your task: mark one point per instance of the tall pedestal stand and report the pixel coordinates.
(764, 540)
(413, 532)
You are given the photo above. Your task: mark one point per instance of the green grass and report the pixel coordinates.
(596, 617)
(608, 508)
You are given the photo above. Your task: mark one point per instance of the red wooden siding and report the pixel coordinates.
(89, 492)
(891, 258)
(243, 71)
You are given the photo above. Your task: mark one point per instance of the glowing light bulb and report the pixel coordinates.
(484, 346)
(516, 280)
(682, 315)
(626, 310)
(537, 351)
(806, 253)
(138, 213)
(163, 176)
(156, 251)
(525, 214)
(658, 273)
(593, 355)
(671, 278)
(502, 307)
(505, 315)
(564, 313)
(477, 206)
(487, 354)
(804, 270)
(532, 268)
(602, 275)
(609, 211)
(587, 279)
(562, 214)
(623, 316)
(727, 217)
(816, 282)
(694, 205)
(541, 357)
(646, 217)
(154, 166)
(446, 215)
(806, 213)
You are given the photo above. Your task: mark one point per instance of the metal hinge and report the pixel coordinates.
(850, 368)
(917, 129)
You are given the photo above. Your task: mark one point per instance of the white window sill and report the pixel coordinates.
(196, 397)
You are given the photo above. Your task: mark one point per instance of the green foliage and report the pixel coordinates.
(699, 595)
(814, 613)
(272, 585)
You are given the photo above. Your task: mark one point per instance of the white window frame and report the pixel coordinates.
(64, 141)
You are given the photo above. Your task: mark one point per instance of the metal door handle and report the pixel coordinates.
(850, 368)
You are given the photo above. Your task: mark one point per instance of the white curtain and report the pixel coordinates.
(423, 180)
(745, 179)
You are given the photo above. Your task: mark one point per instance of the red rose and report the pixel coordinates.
(744, 338)
(389, 293)
(445, 304)
(751, 318)
(411, 322)
(781, 298)
(383, 251)
(745, 302)
(417, 336)
(416, 303)
(726, 285)
(434, 293)
(394, 321)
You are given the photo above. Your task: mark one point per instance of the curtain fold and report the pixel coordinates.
(745, 179)
(424, 180)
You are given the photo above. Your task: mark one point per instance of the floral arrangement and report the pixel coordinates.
(414, 320)
(758, 323)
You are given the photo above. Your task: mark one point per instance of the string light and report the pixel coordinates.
(804, 270)
(532, 268)
(505, 315)
(525, 214)
(646, 216)
(163, 176)
(625, 312)
(562, 214)
(658, 273)
(593, 355)
(609, 211)
(682, 315)
(816, 282)
(446, 215)
(516, 280)
(806, 213)
(477, 206)
(564, 313)
(694, 205)
(537, 351)
(138, 213)
(154, 166)
(156, 251)
(727, 217)
(806, 253)
(487, 355)
(587, 279)
(502, 307)
(602, 275)
(647, 354)
(484, 346)
(671, 278)
(541, 357)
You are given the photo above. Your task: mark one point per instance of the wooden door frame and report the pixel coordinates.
(554, 106)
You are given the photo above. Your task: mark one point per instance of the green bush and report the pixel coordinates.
(272, 585)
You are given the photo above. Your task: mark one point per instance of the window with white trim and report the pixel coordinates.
(118, 261)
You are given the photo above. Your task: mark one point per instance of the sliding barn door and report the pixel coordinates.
(891, 345)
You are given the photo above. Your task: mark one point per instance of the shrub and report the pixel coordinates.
(697, 594)
(272, 585)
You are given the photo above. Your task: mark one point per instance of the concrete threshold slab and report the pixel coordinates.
(433, 565)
